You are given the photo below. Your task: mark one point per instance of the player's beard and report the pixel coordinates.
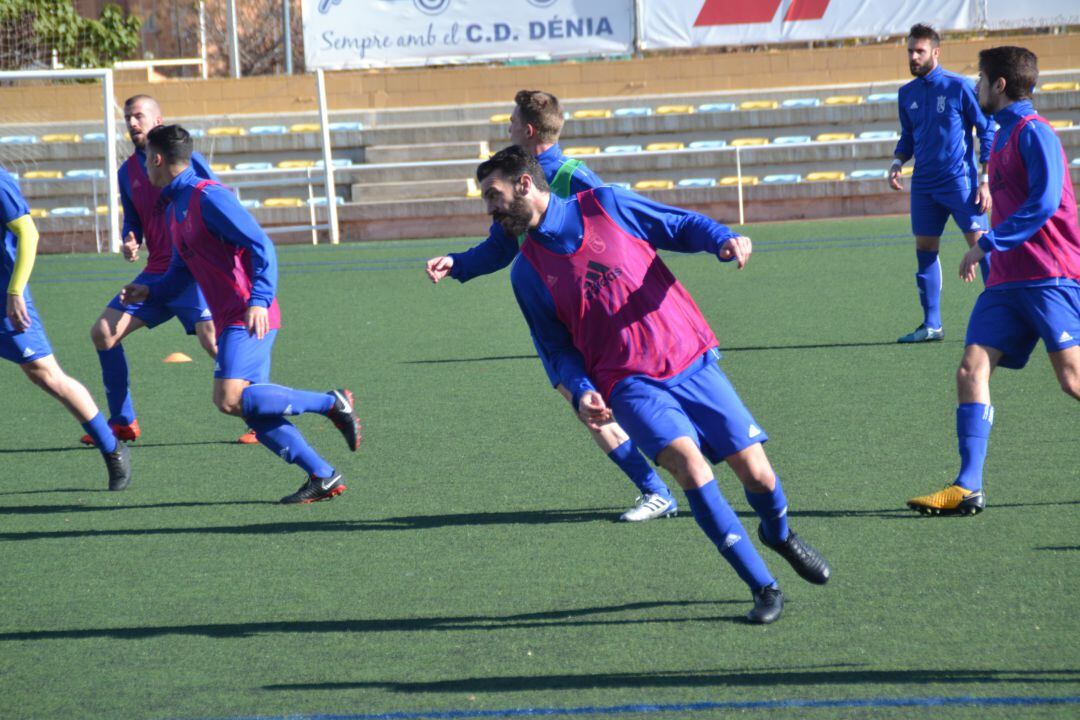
(920, 70)
(515, 219)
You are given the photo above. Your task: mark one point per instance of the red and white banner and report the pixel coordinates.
(693, 23)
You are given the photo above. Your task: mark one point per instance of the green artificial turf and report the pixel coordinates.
(475, 563)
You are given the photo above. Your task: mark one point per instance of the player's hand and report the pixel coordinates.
(133, 294)
(982, 198)
(593, 411)
(970, 262)
(17, 312)
(257, 321)
(894, 178)
(130, 248)
(738, 247)
(439, 267)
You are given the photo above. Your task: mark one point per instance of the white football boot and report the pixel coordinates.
(649, 507)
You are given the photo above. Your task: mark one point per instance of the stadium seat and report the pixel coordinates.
(749, 142)
(654, 185)
(664, 146)
(321, 200)
(782, 179)
(196, 132)
(825, 175)
(734, 180)
(226, 130)
(593, 114)
(621, 149)
(844, 100)
(877, 174)
(801, 102)
(18, 140)
(675, 110)
(296, 164)
(707, 144)
(72, 211)
(585, 150)
(250, 204)
(94, 137)
(633, 112)
(305, 128)
(268, 130)
(716, 107)
(759, 105)
(472, 189)
(253, 166)
(879, 135)
(283, 202)
(623, 185)
(38, 213)
(102, 210)
(43, 175)
(1061, 124)
(834, 137)
(697, 182)
(1059, 87)
(336, 162)
(499, 119)
(882, 98)
(90, 173)
(907, 171)
(1075, 161)
(346, 126)
(60, 138)
(220, 167)
(791, 140)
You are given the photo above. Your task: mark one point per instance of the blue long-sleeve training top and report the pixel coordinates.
(132, 222)
(937, 114)
(499, 250)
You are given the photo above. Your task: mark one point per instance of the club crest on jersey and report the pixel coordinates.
(597, 278)
(596, 243)
(941, 103)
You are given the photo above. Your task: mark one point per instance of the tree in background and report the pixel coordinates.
(31, 31)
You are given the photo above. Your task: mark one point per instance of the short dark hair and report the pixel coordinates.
(513, 162)
(172, 142)
(919, 31)
(543, 111)
(136, 98)
(1019, 66)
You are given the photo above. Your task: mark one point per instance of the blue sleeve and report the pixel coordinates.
(1040, 150)
(538, 307)
(905, 146)
(584, 179)
(201, 167)
(663, 226)
(132, 223)
(226, 218)
(173, 282)
(492, 255)
(12, 203)
(973, 115)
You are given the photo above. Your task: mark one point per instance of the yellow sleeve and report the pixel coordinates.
(25, 252)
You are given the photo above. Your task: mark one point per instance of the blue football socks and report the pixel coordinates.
(771, 507)
(282, 438)
(928, 280)
(114, 374)
(98, 429)
(265, 399)
(722, 526)
(637, 468)
(973, 423)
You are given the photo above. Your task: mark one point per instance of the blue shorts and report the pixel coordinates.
(189, 306)
(704, 406)
(23, 347)
(241, 356)
(1013, 320)
(930, 211)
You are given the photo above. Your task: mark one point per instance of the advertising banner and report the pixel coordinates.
(693, 23)
(379, 33)
(1008, 14)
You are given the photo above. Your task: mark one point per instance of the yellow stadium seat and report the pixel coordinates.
(38, 213)
(907, 171)
(591, 114)
(227, 130)
(749, 142)
(43, 174)
(674, 109)
(734, 180)
(60, 137)
(1059, 86)
(759, 105)
(1060, 124)
(833, 137)
(844, 100)
(654, 184)
(824, 176)
(588, 150)
(472, 189)
(661, 146)
(220, 167)
(102, 210)
(296, 164)
(498, 119)
(283, 202)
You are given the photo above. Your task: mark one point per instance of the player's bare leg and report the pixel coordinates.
(1066, 365)
(207, 337)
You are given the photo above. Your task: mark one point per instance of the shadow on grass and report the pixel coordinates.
(1059, 547)
(846, 675)
(134, 446)
(67, 509)
(573, 617)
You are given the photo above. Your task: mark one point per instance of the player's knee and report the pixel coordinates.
(970, 374)
(100, 335)
(229, 406)
(1070, 383)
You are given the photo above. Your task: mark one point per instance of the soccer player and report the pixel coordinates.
(23, 340)
(535, 124)
(626, 339)
(144, 225)
(1034, 286)
(218, 243)
(938, 111)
